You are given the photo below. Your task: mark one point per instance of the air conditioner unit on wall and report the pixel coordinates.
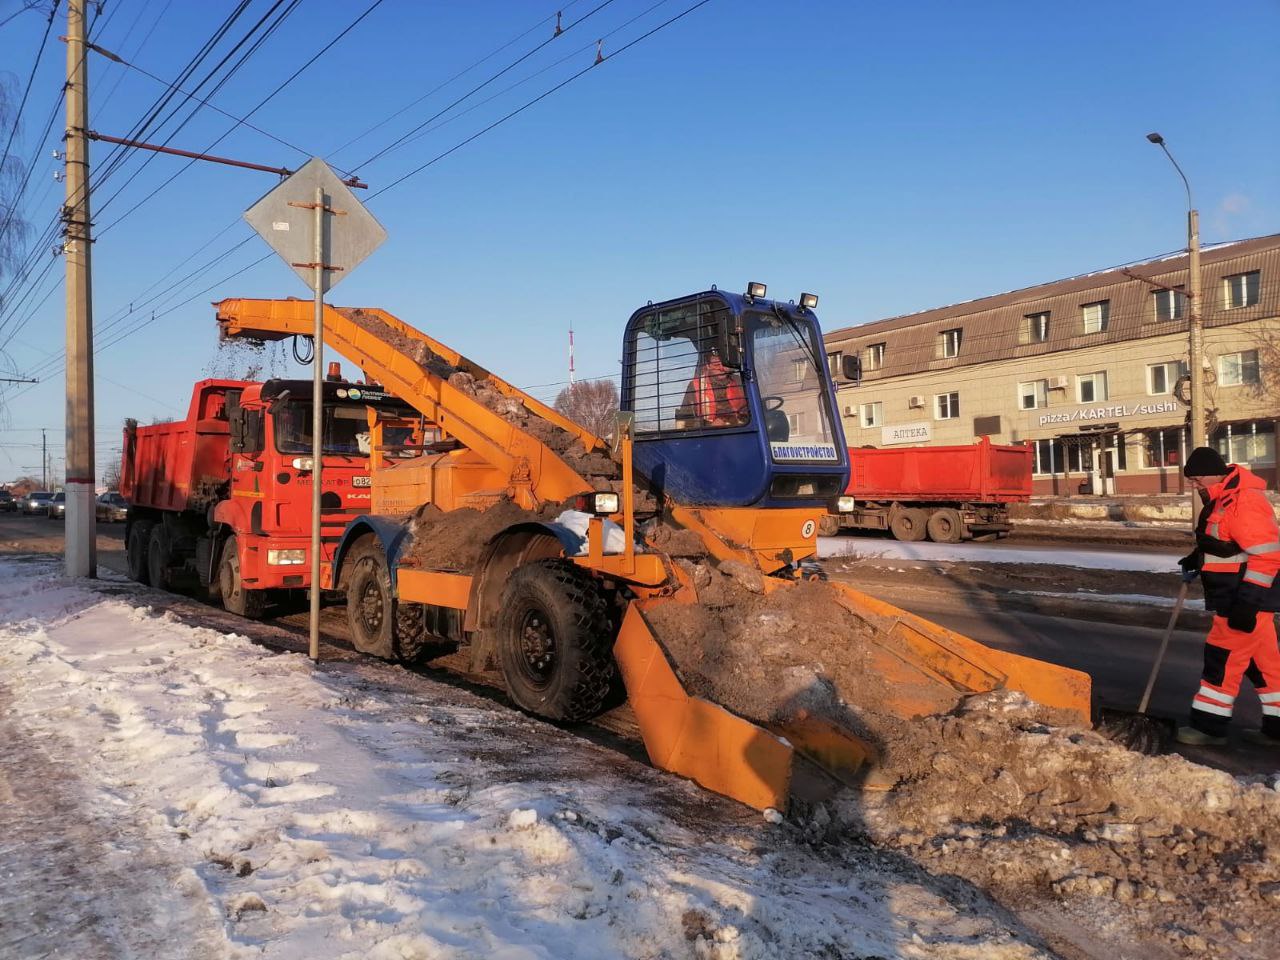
(1058, 383)
(916, 402)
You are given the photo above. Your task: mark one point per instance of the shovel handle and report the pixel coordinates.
(1164, 646)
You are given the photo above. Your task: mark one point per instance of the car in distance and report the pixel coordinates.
(58, 506)
(7, 502)
(37, 501)
(112, 508)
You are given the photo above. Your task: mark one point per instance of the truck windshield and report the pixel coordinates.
(793, 388)
(346, 429)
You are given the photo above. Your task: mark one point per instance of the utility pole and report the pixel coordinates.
(81, 548)
(44, 460)
(1195, 313)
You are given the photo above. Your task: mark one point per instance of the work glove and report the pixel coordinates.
(1242, 617)
(1191, 564)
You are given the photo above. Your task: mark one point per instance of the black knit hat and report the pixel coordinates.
(1205, 462)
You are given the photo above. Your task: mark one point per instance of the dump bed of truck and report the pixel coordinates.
(182, 464)
(982, 472)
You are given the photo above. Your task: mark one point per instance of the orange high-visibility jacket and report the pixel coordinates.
(1241, 541)
(719, 396)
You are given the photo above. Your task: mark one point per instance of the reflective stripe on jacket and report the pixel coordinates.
(1241, 540)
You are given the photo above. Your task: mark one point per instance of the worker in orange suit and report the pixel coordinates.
(714, 397)
(1237, 556)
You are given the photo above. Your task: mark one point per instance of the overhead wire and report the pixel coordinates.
(26, 92)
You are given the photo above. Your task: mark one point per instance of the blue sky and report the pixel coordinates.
(890, 157)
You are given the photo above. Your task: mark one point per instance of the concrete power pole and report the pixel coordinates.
(44, 460)
(1195, 322)
(81, 548)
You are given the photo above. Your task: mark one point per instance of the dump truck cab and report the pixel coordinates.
(733, 402)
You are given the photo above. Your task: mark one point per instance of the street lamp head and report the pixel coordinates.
(1155, 138)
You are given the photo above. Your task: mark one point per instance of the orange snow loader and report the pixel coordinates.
(727, 437)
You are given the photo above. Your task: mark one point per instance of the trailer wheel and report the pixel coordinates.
(158, 558)
(555, 641)
(946, 526)
(828, 526)
(236, 598)
(909, 525)
(136, 551)
(371, 608)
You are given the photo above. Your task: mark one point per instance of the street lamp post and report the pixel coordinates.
(1195, 318)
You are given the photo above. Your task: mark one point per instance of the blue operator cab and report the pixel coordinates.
(733, 401)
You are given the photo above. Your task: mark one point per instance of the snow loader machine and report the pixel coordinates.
(727, 436)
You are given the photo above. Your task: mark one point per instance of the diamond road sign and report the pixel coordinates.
(285, 218)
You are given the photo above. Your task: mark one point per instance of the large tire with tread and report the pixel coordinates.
(555, 641)
(909, 525)
(158, 572)
(371, 603)
(412, 641)
(250, 604)
(946, 526)
(136, 551)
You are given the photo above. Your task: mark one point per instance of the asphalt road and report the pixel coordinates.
(1118, 655)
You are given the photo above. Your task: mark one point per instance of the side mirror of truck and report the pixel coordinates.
(851, 367)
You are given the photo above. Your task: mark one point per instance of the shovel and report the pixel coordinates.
(1137, 730)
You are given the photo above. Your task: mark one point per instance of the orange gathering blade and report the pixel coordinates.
(692, 737)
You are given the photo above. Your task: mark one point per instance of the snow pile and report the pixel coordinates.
(996, 553)
(172, 791)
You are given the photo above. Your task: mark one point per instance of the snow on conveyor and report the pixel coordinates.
(880, 549)
(172, 791)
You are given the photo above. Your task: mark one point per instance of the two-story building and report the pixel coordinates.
(1090, 371)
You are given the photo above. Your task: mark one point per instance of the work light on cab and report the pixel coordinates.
(809, 301)
(600, 504)
(756, 291)
(845, 505)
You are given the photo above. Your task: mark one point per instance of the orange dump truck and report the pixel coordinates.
(947, 494)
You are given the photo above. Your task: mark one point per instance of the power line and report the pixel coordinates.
(17, 117)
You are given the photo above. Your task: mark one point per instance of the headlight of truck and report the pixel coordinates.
(284, 558)
(844, 504)
(304, 463)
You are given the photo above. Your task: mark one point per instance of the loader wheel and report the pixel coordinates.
(555, 641)
(411, 639)
(136, 551)
(946, 526)
(236, 598)
(909, 525)
(371, 608)
(158, 558)
(828, 526)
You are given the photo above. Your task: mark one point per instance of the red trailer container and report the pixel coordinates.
(945, 493)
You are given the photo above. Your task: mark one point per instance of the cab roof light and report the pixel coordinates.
(809, 301)
(756, 291)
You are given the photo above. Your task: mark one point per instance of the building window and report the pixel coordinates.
(872, 414)
(1252, 443)
(1091, 387)
(833, 363)
(946, 406)
(949, 342)
(1169, 304)
(1241, 290)
(1033, 394)
(796, 422)
(1163, 377)
(873, 357)
(1046, 457)
(1096, 316)
(798, 369)
(1163, 448)
(1238, 369)
(1035, 328)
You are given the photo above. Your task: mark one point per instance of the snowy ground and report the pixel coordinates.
(870, 549)
(170, 791)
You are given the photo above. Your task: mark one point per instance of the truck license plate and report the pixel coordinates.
(362, 481)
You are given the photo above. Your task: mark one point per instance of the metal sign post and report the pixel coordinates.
(321, 256)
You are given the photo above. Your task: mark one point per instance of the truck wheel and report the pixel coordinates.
(555, 641)
(236, 598)
(946, 526)
(412, 639)
(371, 608)
(828, 526)
(136, 551)
(158, 558)
(909, 525)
